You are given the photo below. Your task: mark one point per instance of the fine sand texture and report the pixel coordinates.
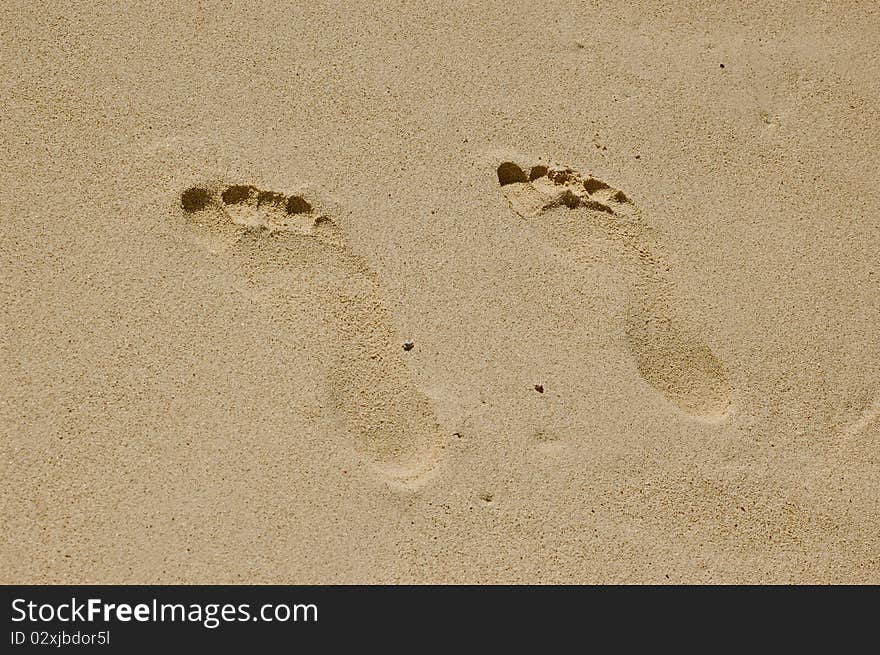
(497, 292)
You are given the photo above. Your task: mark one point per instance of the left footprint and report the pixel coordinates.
(267, 233)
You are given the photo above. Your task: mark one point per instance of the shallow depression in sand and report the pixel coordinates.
(670, 356)
(264, 233)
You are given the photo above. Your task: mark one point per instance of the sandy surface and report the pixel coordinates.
(220, 224)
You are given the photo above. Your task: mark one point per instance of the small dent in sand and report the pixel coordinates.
(562, 176)
(270, 198)
(595, 205)
(297, 205)
(238, 193)
(545, 436)
(537, 171)
(591, 184)
(570, 199)
(195, 199)
(510, 173)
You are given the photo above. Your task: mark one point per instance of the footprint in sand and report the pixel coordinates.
(581, 215)
(269, 235)
(866, 417)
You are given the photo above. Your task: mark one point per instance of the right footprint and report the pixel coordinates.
(580, 214)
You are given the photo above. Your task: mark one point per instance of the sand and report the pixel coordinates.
(634, 246)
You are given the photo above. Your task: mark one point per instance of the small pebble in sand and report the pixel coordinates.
(408, 344)
(539, 388)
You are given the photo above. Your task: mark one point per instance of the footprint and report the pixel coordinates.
(276, 240)
(593, 221)
(866, 417)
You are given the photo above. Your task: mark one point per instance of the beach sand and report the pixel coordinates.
(631, 248)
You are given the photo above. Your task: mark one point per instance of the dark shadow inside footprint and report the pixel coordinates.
(538, 171)
(592, 185)
(297, 205)
(270, 198)
(194, 199)
(238, 193)
(510, 173)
